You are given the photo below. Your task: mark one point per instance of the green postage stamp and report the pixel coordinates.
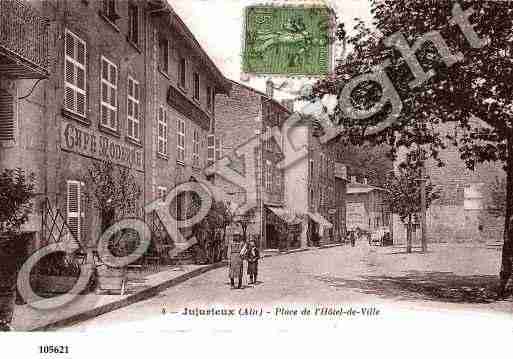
(287, 40)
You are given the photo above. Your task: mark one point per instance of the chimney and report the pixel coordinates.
(289, 104)
(269, 88)
(353, 179)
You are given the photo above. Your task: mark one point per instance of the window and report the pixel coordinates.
(219, 149)
(163, 55)
(109, 90)
(269, 175)
(75, 208)
(162, 131)
(181, 140)
(75, 74)
(133, 24)
(278, 179)
(311, 170)
(133, 110)
(211, 149)
(182, 68)
(210, 99)
(196, 148)
(7, 124)
(109, 10)
(196, 86)
(311, 196)
(161, 192)
(269, 138)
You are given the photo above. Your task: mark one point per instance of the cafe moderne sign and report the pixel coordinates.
(97, 145)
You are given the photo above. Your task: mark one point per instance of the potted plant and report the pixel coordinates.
(114, 193)
(16, 194)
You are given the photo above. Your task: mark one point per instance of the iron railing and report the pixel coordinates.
(24, 33)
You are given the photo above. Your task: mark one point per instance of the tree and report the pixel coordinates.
(472, 91)
(403, 196)
(372, 162)
(16, 194)
(115, 193)
(496, 204)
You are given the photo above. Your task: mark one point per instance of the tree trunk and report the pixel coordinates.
(408, 235)
(507, 249)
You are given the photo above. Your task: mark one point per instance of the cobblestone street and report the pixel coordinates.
(363, 275)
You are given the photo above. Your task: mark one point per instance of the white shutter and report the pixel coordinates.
(7, 125)
(74, 208)
(74, 74)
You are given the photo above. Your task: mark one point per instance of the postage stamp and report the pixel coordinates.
(287, 40)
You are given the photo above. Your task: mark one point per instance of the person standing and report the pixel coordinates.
(236, 253)
(252, 257)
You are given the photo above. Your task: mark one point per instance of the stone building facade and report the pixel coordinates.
(126, 81)
(242, 120)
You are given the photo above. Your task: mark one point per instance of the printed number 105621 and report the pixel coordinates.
(53, 349)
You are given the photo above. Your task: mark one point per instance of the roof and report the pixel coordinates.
(179, 25)
(357, 188)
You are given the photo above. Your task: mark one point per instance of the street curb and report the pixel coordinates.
(129, 300)
(153, 291)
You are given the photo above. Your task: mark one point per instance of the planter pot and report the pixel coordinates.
(111, 280)
(13, 251)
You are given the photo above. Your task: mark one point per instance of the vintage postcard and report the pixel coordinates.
(324, 173)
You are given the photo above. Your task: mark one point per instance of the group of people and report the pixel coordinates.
(238, 252)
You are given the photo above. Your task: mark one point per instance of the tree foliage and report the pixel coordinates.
(113, 190)
(16, 194)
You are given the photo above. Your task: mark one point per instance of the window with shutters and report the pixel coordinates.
(163, 55)
(211, 149)
(7, 119)
(219, 149)
(109, 10)
(133, 24)
(133, 110)
(162, 132)
(196, 86)
(75, 93)
(196, 148)
(109, 94)
(75, 210)
(182, 73)
(210, 99)
(269, 175)
(180, 148)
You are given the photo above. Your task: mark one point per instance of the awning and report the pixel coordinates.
(317, 217)
(286, 215)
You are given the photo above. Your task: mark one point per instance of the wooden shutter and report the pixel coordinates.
(74, 208)
(7, 125)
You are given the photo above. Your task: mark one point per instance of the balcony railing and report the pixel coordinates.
(23, 41)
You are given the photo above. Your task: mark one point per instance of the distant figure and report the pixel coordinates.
(253, 256)
(352, 238)
(236, 253)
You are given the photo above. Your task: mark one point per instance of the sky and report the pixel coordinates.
(217, 25)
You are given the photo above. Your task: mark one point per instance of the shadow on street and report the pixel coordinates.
(436, 286)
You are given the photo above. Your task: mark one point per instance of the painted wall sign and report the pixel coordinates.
(96, 145)
(355, 216)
